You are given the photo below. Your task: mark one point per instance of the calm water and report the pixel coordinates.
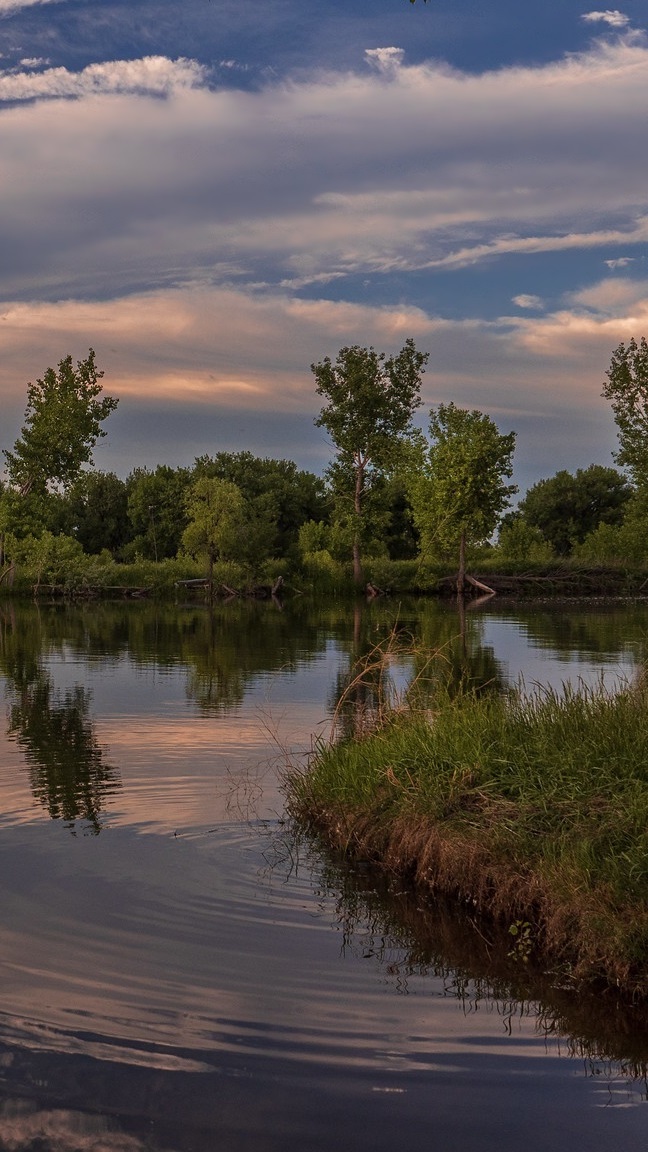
(178, 972)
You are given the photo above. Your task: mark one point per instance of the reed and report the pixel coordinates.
(530, 807)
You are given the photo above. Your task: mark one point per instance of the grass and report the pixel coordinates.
(532, 809)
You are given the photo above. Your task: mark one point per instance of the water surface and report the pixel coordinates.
(178, 972)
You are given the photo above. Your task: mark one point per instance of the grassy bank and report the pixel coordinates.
(531, 810)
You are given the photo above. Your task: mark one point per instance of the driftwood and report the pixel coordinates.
(372, 590)
(478, 584)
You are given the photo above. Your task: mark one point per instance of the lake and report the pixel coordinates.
(182, 972)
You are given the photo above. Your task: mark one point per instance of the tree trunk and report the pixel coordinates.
(358, 578)
(211, 575)
(461, 575)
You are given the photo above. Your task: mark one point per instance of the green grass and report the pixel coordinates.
(532, 808)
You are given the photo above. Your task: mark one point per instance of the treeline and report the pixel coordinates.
(393, 506)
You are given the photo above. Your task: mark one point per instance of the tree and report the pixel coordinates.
(97, 511)
(62, 425)
(627, 389)
(458, 493)
(157, 510)
(278, 497)
(566, 508)
(215, 509)
(368, 414)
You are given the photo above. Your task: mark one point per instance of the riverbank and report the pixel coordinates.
(532, 811)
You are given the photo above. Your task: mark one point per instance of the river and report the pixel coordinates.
(181, 972)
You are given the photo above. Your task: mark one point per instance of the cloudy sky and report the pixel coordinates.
(214, 195)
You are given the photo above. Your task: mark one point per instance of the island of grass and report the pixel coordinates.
(531, 809)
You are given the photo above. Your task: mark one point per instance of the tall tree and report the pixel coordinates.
(368, 414)
(215, 509)
(627, 389)
(459, 493)
(62, 425)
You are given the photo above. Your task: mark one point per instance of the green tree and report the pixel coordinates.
(157, 510)
(278, 497)
(62, 425)
(627, 389)
(368, 414)
(97, 512)
(568, 507)
(458, 492)
(216, 512)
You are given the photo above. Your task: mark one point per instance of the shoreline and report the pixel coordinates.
(462, 803)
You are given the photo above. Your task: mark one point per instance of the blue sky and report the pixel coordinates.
(214, 195)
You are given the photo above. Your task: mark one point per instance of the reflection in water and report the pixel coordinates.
(450, 656)
(410, 936)
(67, 771)
(178, 984)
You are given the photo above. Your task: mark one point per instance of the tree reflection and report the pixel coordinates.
(394, 662)
(410, 935)
(68, 774)
(67, 771)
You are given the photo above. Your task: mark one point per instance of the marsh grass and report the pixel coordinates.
(528, 806)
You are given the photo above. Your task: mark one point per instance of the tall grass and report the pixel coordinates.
(533, 807)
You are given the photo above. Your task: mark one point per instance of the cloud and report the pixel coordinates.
(289, 183)
(153, 75)
(385, 60)
(526, 301)
(8, 7)
(620, 262)
(610, 16)
(175, 235)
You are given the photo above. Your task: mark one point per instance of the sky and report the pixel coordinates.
(215, 195)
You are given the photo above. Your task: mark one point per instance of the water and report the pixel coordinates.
(178, 972)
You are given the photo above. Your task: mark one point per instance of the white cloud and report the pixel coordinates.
(524, 300)
(7, 7)
(610, 16)
(386, 60)
(620, 262)
(153, 75)
(33, 62)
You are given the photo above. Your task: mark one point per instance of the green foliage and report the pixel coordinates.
(97, 510)
(458, 490)
(49, 559)
(62, 424)
(216, 513)
(157, 511)
(627, 389)
(370, 401)
(519, 540)
(566, 508)
(278, 498)
(625, 543)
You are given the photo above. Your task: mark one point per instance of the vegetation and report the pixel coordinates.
(627, 390)
(567, 508)
(394, 508)
(457, 491)
(531, 809)
(369, 409)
